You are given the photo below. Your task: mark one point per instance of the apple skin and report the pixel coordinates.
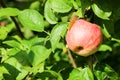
(84, 37)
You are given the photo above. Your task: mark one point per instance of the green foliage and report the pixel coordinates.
(105, 47)
(78, 74)
(32, 20)
(9, 12)
(3, 33)
(39, 54)
(57, 32)
(106, 72)
(48, 74)
(60, 6)
(35, 5)
(100, 13)
(42, 54)
(49, 13)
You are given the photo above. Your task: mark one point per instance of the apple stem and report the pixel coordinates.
(71, 58)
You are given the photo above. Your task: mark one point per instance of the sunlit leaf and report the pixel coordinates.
(104, 47)
(39, 67)
(38, 54)
(100, 13)
(22, 74)
(57, 32)
(13, 51)
(61, 6)
(35, 5)
(13, 44)
(114, 39)
(49, 14)
(105, 31)
(82, 74)
(80, 13)
(10, 26)
(9, 12)
(3, 70)
(76, 3)
(75, 74)
(32, 20)
(3, 33)
(37, 41)
(87, 74)
(3, 54)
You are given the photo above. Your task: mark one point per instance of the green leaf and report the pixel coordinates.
(49, 75)
(74, 75)
(3, 33)
(13, 67)
(38, 54)
(57, 75)
(61, 6)
(36, 41)
(100, 13)
(80, 13)
(84, 5)
(10, 26)
(16, 38)
(102, 76)
(76, 3)
(23, 73)
(39, 67)
(9, 12)
(105, 72)
(105, 47)
(49, 14)
(13, 51)
(13, 43)
(32, 20)
(105, 31)
(27, 44)
(114, 39)
(57, 32)
(87, 74)
(22, 58)
(3, 70)
(3, 54)
(35, 5)
(82, 74)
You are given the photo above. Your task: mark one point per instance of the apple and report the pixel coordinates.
(83, 37)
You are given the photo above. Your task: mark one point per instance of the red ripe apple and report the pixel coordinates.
(83, 37)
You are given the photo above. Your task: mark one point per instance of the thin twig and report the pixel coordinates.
(71, 58)
(2, 3)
